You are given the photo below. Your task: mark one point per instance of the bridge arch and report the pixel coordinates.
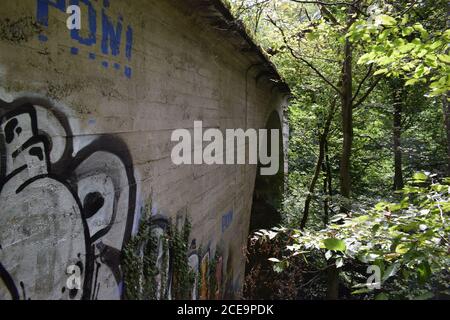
(268, 190)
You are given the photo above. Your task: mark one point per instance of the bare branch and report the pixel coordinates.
(309, 64)
(341, 3)
(307, 15)
(368, 92)
(323, 3)
(409, 8)
(369, 73)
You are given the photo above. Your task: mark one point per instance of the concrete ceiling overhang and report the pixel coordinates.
(219, 17)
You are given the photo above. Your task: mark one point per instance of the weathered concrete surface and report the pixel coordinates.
(86, 121)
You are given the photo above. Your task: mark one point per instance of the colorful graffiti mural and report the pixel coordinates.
(164, 263)
(204, 277)
(60, 207)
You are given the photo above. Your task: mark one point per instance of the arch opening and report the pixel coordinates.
(268, 192)
(265, 214)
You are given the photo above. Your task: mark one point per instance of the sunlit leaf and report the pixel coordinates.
(335, 244)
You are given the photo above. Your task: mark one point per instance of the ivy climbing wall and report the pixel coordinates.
(86, 178)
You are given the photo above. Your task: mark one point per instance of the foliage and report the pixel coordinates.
(183, 277)
(264, 282)
(139, 264)
(145, 264)
(399, 49)
(402, 47)
(407, 240)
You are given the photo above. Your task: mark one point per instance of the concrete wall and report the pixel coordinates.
(86, 120)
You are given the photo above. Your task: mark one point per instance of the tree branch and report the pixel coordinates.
(309, 64)
(323, 3)
(369, 72)
(342, 3)
(368, 92)
(409, 8)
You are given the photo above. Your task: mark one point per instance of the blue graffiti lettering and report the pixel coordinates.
(129, 45)
(92, 16)
(43, 9)
(111, 36)
(227, 219)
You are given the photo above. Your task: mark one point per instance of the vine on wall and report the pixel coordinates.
(139, 264)
(155, 266)
(183, 276)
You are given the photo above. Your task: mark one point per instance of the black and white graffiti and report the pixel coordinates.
(163, 263)
(194, 266)
(61, 209)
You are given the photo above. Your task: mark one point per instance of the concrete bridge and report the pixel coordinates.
(86, 118)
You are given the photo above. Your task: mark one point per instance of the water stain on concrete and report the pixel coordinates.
(20, 30)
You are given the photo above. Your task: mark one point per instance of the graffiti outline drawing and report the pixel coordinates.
(60, 207)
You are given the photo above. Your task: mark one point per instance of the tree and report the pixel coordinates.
(397, 102)
(368, 80)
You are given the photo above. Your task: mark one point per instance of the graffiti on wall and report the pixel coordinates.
(227, 220)
(68, 210)
(109, 35)
(204, 277)
(61, 209)
(194, 265)
(211, 276)
(163, 262)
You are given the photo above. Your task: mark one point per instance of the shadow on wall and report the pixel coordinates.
(265, 213)
(268, 192)
(65, 213)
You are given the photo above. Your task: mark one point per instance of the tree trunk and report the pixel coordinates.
(347, 127)
(333, 283)
(398, 109)
(326, 201)
(317, 171)
(327, 187)
(446, 107)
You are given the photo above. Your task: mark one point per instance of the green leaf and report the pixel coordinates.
(407, 31)
(390, 271)
(411, 82)
(405, 20)
(420, 177)
(444, 58)
(381, 71)
(424, 272)
(382, 296)
(402, 248)
(406, 47)
(386, 20)
(367, 58)
(432, 62)
(436, 45)
(361, 291)
(280, 267)
(423, 33)
(335, 244)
